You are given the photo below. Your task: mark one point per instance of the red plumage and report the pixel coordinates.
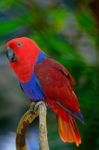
(26, 57)
(56, 82)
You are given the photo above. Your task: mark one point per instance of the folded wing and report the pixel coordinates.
(57, 83)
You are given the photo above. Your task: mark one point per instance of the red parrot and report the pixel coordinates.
(44, 79)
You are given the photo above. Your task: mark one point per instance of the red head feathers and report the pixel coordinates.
(26, 52)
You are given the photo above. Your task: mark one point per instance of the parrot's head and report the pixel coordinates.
(22, 54)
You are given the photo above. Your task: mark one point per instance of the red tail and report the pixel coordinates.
(68, 131)
(67, 127)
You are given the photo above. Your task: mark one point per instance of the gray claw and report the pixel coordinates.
(37, 105)
(34, 106)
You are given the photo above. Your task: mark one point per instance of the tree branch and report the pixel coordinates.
(25, 121)
(43, 128)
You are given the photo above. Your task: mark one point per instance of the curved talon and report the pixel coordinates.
(34, 106)
(37, 105)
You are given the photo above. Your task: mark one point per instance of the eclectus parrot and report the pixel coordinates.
(44, 79)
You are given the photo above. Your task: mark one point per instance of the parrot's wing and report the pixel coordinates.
(63, 70)
(57, 83)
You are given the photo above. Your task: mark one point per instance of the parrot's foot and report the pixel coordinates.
(34, 106)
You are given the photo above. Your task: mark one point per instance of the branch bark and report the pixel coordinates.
(25, 121)
(43, 128)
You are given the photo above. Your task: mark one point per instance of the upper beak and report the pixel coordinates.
(10, 54)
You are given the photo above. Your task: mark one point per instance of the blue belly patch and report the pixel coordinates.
(33, 89)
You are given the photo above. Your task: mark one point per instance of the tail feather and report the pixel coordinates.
(68, 131)
(67, 127)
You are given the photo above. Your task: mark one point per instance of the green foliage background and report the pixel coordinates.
(49, 24)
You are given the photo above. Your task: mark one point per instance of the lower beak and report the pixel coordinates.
(11, 55)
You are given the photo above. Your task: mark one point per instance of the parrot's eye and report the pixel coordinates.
(19, 44)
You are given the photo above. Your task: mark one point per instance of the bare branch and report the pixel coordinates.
(25, 121)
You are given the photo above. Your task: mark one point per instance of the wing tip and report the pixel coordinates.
(80, 116)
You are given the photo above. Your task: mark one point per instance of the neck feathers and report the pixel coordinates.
(25, 68)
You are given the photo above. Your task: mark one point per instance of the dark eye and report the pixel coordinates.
(19, 44)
